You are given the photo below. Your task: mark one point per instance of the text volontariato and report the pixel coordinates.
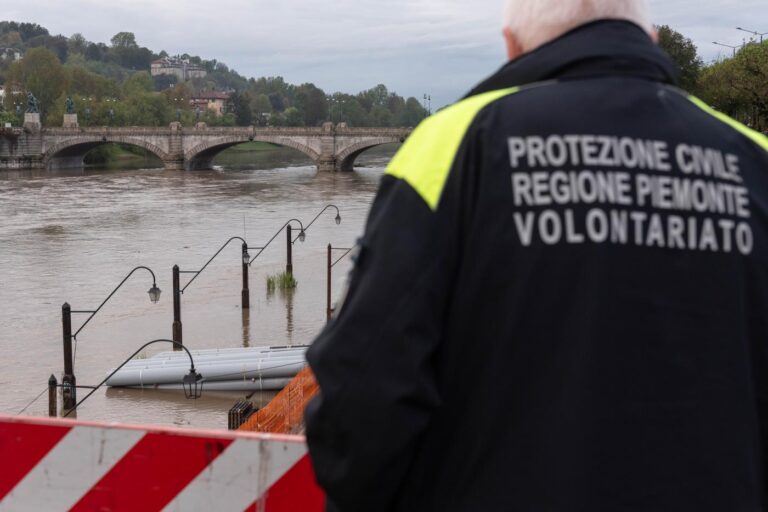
(635, 192)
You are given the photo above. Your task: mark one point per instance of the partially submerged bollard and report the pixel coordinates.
(53, 386)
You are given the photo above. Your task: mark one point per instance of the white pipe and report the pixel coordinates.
(213, 372)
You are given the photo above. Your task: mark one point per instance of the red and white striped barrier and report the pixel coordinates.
(62, 465)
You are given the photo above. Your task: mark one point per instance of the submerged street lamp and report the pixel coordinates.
(192, 384)
(154, 294)
(192, 381)
(69, 381)
(329, 276)
(289, 242)
(337, 219)
(178, 291)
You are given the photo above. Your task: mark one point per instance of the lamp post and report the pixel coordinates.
(331, 264)
(289, 255)
(179, 102)
(759, 34)
(69, 382)
(337, 218)
(87, 102)
(192, 382)
(178, 291)
(734, 48)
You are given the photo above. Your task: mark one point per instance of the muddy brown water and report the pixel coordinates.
(72, 236)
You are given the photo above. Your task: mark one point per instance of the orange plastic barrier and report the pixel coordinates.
(285, 413)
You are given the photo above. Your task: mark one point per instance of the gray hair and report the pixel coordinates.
(535, 22)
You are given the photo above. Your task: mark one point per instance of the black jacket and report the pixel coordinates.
(560, 302)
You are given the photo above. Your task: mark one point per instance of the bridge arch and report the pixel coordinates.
(345, 159)
(71, 152)
(201, 156)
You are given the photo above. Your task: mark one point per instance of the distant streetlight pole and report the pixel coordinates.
(87, 102)
(289, 243)
(734, 48)
(178, 290)
(759, 34)
(329, 276)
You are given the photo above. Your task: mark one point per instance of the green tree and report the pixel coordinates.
(78, 44)
(293, 117)
(260, 105)
(144, 109)
(86, 83)
(412, 114)
(8, 117)
(739, 86)
(138, 83)
(240, 106)
(40, 73)
(684, 54)
(313, 103)
(124, 40)
(380, 117)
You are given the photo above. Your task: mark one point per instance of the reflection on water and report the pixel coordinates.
(73, 235)
(246, 328)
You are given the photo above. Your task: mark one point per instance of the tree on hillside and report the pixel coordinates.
(41, 73)
(96, 51)
(124, 40)
(25, 30)
(412, 114)
(57, 44)
(11, 40)
(683, 53)
(78, 43)
(313, 103)
(84, 83)
(241, 108)
(138, 83)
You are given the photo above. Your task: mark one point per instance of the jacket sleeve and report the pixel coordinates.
(374, 361)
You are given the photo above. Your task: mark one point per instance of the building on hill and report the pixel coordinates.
(212, 100)
(180, 68)
(12, 54)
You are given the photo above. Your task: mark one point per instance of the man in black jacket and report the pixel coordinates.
(560, 300)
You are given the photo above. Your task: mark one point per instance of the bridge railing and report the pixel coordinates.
(225, 131)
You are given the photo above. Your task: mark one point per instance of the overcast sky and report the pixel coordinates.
(441, 47)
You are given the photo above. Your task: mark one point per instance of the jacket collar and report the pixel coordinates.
(599, 48)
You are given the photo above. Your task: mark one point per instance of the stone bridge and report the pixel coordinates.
(330, 147)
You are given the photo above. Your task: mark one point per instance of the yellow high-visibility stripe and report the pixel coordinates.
(425, 160)
(760, 139)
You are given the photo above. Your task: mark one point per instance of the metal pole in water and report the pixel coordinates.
(177, 337)
(69, 391)
(246, 292)
(53, 385)
(289, 253)
(328, 288)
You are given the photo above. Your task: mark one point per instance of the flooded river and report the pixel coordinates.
(73, 236)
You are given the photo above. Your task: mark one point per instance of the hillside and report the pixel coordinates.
(113, 84)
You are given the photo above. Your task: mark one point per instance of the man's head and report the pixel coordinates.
(529, 24)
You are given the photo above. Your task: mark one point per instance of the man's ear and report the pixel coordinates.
(514, 49)
(655, 36)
